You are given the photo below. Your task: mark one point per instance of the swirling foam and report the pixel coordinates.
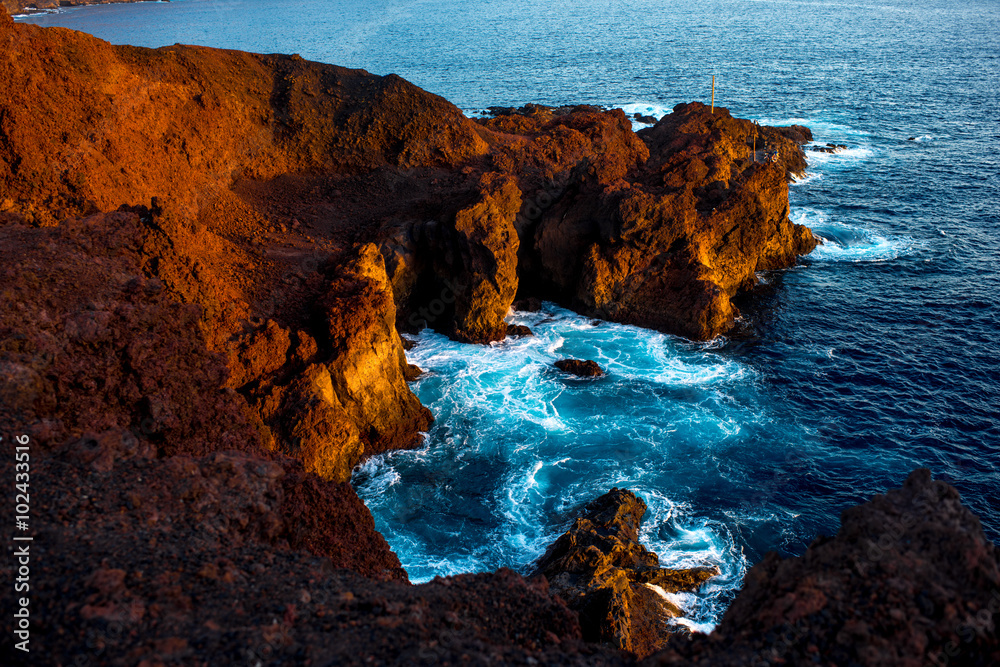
(655, 110)
(518, 447)
(851, 243)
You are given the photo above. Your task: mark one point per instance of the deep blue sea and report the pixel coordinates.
(878, 354)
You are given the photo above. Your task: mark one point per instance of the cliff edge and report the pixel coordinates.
(208, 256)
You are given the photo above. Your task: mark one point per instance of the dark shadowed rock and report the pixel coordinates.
(231, 559)
(519, 330)
(797, 133)
(580, 367)
(909, 579)
(528, 305)
(612, 581)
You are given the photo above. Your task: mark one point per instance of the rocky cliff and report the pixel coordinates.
(659, 229)
(305, 326)
(251, 188)
(207, 258)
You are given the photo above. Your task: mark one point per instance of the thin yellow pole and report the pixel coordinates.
(713, 93)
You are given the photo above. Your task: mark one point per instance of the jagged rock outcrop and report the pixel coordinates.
(478, 254)
(909, 579)
(102, 342)
(354, 400)
(614, 583)
(658, 229)
(667, 243)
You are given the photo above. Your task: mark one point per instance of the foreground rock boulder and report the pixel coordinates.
(909, 579)
(229, 559)
(614, 583)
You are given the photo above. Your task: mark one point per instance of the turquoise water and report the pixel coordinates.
(877, 354)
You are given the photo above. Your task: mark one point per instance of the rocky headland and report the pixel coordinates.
(22, 7)
(208, 258)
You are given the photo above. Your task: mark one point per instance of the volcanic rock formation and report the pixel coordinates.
(229, 559)
(256, 185)
(207, 256)
(614, 583)
(659, 229)
(909, 579)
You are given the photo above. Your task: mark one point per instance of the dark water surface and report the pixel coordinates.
(876, 355)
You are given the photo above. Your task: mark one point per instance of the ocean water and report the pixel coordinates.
(877, 354)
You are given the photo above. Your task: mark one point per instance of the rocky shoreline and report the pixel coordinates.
(209, 257)
(16, 7)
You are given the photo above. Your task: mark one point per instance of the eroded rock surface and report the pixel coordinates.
(668, 240)
(205, 253)
(230, 559)
(614, 583)
(658, 229)
(909, 579)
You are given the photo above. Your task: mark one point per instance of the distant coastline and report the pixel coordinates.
(18, 7)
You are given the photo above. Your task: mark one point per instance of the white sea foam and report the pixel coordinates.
(683, 602)
(851, 243)
(381, 477)
(538, 444)
(858, 145)
(655, 110)
(841, 157)
(808, 177)
(823, 130)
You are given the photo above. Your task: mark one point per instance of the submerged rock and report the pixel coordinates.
(829, 148)
(580, 367)
(614, 583)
